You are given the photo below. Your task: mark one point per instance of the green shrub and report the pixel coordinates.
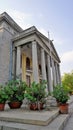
(15, 90)
(61, 94)
(36, 92)
(3, 95)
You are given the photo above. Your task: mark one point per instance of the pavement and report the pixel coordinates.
(69, 124)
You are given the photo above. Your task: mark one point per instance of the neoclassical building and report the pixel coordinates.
(27, 54)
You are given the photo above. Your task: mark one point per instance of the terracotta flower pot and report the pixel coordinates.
(63, 108)
(40, 106)
(14, 105)
(36, 106)
(2, 106)
(33, 106)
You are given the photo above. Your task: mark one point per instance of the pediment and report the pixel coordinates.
(32, 34)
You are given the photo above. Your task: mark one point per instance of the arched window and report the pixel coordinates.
(27, 63)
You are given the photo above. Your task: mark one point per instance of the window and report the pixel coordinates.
(27, 63)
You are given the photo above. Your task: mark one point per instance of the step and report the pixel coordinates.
(33, 120)
(57, 124)
(29, 117)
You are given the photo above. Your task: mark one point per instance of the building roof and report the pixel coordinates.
(4, 16)
(33, 30)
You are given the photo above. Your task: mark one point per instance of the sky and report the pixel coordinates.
(53, 16)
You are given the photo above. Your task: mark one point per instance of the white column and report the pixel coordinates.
(59, 74)
(18, 61)
(35, 62)
(14, 63)
(43, 65)
(49, 74)
(53, 72)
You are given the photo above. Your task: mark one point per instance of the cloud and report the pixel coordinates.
(56, 40)
(24, 20)
(67, 62)
(40, 15)
(67, 57)
(20, 15)
(21, 18)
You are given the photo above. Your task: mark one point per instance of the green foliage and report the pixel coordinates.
(36, 92)
(15, 90)
(61, 94)
(67, 81)
(3, 95)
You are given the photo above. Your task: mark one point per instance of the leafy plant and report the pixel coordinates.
(36, 92)
(61, 94)
(67, 81)
(3, 95)
(15, 90)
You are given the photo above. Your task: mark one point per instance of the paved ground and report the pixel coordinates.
(69, 125)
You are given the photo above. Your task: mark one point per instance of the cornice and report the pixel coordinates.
(5, 17)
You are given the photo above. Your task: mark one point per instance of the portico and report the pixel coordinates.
(33, 60)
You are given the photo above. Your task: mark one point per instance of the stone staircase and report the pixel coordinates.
(54, 123)
(22, 119)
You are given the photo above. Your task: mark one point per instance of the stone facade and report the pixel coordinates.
(27, 54)
(6, 34)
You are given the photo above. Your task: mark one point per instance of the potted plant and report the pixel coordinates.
(56, 93)
(62, 96)
(3, 98)
(36, 95)
(15, 90)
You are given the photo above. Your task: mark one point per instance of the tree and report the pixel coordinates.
(67, 81)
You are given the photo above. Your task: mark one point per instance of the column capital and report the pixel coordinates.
(34, 41)
(14, 49)
(42, 50)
